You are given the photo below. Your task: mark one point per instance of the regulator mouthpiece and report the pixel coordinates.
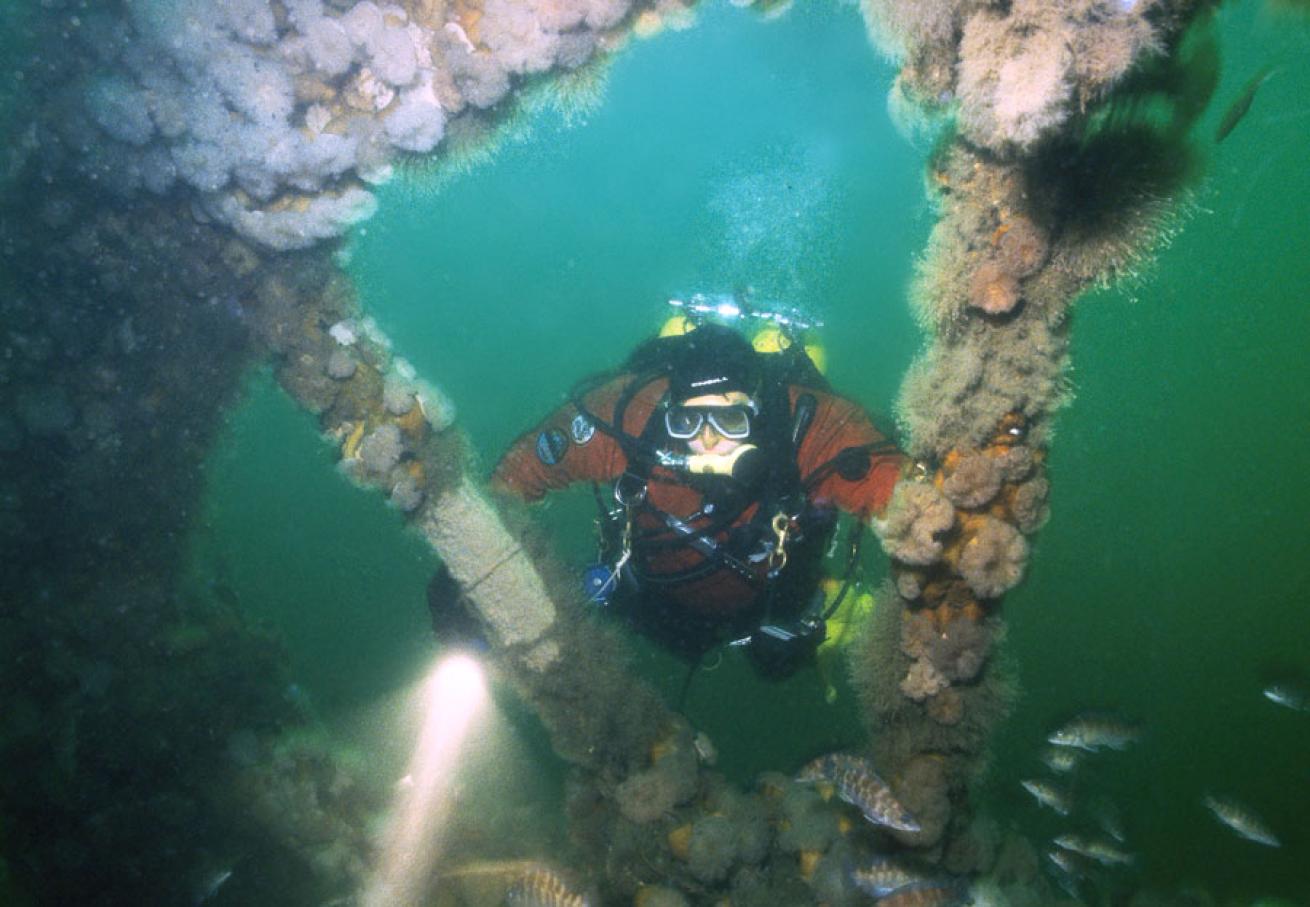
(741, 464)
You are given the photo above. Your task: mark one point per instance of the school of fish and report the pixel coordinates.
(1074, 856)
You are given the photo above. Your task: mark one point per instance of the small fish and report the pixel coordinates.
(1288, 695)
(706, 752)
(1242, 103)
(209, 887)
(1061, 759)
(1065, 861)
(924, 894)
(541, 886)
(1241, 820)
(1068, 870)
(1048, 795)
(859, 785)
(1110, 819)
(1094, 732)
(1096, 849)
(883, 876)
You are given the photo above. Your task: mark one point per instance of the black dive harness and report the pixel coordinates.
(775, 513)
(782, 518)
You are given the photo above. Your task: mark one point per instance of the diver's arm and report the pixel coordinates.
(840, 425)
(564, 448)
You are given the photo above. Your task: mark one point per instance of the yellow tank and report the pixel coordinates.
(771, 339)
(856, 609)
(677, 325)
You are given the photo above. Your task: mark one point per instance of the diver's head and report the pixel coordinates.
(712, 411)
(712, 359)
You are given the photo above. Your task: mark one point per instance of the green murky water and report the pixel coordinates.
(1174, 575)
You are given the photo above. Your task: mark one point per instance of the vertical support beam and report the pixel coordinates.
(1049, 176)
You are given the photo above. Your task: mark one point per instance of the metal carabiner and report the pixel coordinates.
(608, 577)
(781, 525)
(625, 542)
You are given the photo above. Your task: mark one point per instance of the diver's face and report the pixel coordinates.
(708, 440)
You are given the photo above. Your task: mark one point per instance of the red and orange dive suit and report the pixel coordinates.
(704, 565)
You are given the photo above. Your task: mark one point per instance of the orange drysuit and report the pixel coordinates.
(691, 598)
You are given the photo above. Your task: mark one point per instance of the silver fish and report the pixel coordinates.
(1065, 861)
(1061, 759)
(1242, 103)
(1095, 732)
(1101, 851)
(1048, 795)
(883, 876)
(858, 784)
(1068, 870)
(705, 749)
(210, 885)
(1241, 820)
(1288, 695)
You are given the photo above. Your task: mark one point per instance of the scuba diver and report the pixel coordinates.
(719, 471)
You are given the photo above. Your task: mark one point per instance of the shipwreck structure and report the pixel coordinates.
(179, 177)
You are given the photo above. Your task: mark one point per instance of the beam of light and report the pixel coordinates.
(451, 698)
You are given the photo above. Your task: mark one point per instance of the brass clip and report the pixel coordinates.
(781, 524)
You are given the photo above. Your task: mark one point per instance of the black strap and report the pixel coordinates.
(802, 419)
(709, 548)
(637, 452)
(848, 578)
(783, 488)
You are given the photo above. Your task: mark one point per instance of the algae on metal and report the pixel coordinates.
(1060, 175)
